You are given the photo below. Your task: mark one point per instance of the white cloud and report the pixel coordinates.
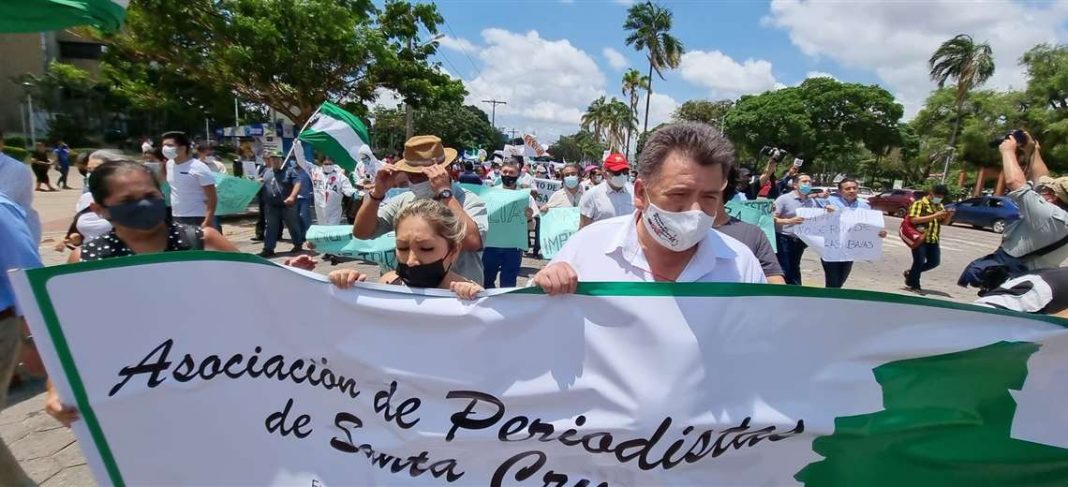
(725, 77)
(661, 107)
(819, 74)
(547, 83)
(615, 59)
(387, 98)
(625, 3)
(895, 39)
(457, 44)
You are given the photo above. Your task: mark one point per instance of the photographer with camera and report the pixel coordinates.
(1040, 237)
(750, 188)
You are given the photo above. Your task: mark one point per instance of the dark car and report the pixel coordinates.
(992, 212)
(895, 202)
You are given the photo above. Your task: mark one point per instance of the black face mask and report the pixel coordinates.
(143, 214)
(422, 275)
(509, 180)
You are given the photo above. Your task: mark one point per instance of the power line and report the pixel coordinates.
(494, 102)
(478, 71)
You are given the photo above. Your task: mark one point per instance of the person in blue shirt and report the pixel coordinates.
(281, 186)
(18, 251)
(62, 153)
(836, 273)
(303, 208)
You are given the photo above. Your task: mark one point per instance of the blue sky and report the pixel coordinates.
(548, 59)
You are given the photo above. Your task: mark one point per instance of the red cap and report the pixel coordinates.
(616, 162)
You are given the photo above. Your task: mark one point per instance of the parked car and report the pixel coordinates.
(992, 212)
(865, 193)
(896, 202)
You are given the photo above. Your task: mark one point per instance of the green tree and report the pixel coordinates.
(648, 28)
(609, 121)
(825, 122)
(633, 84)
(581, 146)
(290, 55)
(1046, 104)
(459, 126)
(968, 64)
(705, 111)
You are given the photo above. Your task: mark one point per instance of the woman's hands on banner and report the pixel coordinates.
(345, 278)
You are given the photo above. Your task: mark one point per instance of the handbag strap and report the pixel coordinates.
(1047, 249)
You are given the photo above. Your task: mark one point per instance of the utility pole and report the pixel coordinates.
(493, 111)
(512, 133)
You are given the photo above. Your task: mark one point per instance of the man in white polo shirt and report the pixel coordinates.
(611, 198)
(193, 197)
(669, 236)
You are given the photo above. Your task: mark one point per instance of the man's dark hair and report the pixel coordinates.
(518, 165)
(700, 142)
(732, 184)
(469, 166)
(940, 190)
(100, 183)
(847, 180)
(179, 138)
(518, 160)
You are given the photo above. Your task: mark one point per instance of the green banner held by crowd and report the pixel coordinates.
(757, 212)
(507, 216)
(557, 225)
(338, 240)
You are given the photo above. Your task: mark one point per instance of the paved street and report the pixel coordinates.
(51, 456)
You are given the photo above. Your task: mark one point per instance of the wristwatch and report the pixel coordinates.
(443, 194)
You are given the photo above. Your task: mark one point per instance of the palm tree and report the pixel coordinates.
(649, 27)
(968, 64)
(633, 84)
(596, 117)
(609, 121)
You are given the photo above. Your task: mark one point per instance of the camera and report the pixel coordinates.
(773, 152)
(1019, 135)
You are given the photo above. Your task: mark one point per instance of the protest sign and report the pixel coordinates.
(234, 194)
(621, 384)
(844, 235)
(756, 212)
(546, 188)
(249, 169)
(557, 225)
(507, 216)
(338, 240)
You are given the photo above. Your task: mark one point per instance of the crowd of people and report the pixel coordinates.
(665, 221)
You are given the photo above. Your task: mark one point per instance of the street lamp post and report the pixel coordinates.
(29, 112)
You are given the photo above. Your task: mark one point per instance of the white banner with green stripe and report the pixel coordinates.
(620, 384)
(338, 134)
(49, 15)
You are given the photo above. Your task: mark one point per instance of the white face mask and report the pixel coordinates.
(170, 151)
(676, 231)
(422, 190)
(596, 179)
(618, 180)
(328, 167)
(571, 181)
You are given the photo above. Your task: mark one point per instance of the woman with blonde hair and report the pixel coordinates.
(429, 238)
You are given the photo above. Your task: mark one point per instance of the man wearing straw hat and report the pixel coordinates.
(424, 163)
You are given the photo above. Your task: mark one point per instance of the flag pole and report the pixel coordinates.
(292, 146)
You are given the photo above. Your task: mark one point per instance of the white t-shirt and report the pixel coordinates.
(187, 181)
(564, 198)
(89, 224)
(609, 251)
(602, 202)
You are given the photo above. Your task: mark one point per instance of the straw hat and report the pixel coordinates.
(1058, 185)
(423, 151)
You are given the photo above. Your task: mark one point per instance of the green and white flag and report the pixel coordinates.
(338, 134)
(48, 15)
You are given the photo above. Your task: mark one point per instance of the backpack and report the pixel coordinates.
(992, 270)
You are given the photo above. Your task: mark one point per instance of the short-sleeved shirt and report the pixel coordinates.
(62, 156)
(469, 263)
(278, 184)
(306, 190)
(16, 182)
(19, 248)
(609, 251)
(924, 207)
(563, 198)
(786, 207)
(469, 177)
(602, 202)
(839, 202)
(754, 238)
(1041, 223)
(187, 181)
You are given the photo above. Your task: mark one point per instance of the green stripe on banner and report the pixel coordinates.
(233, 195)
(331, 147)
(507, 216)
(557, 226)
(757, 212)
(49, 15)
(337, 133)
